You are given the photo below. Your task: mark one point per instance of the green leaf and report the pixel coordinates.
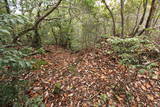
(21, 21)
(13, 21)
(3, 31)
(21, 64)
(142, 70)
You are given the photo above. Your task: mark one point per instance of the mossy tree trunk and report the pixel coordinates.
(36, 42)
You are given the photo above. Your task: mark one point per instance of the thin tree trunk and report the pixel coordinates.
(137, 17)
(112, 16)
(36, 42)
(122, 18)
(156, 20)
(158, 16)
(145, 3)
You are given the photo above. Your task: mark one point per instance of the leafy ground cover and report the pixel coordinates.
(91, 78)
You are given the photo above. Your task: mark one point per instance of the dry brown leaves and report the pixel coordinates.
(84, 78)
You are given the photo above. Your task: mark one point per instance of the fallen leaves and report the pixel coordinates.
(95, 73)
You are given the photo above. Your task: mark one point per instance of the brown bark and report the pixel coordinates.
(112, 16)
(151, 14)
(137, 17)
(145, 3)
(150, 17)
(122, 17)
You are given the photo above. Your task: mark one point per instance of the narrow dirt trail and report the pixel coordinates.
(91, 79)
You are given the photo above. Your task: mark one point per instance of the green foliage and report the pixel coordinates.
(128, 45)
(72, 68)
(35, 102)
(57, 88)
(62, 31)
(27, 50)
(134, 51)
(10, 25)
(8, 93)
(40, 51)
(89, 3)
(76, 45)
(12, 88)
(149, 67)
(13, 60)
(12, 66)
(103, 97)
(38, 63)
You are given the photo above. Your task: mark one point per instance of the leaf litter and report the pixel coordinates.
(91, 78)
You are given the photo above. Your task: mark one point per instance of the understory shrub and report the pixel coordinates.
(137, 52)
(12, 68)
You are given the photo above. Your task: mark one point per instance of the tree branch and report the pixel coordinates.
(37, 22)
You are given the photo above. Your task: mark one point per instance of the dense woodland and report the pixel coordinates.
(79, 53)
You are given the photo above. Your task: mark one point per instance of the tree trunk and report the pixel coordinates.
(37, 22)
(112, 16)
(122, 18)
(36, 42)
(150, 17)
(145, 3)
(137, 17)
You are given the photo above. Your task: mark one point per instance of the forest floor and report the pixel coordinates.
(91, 78)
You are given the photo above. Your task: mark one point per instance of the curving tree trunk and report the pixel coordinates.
(37, 22)
(112, 16)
